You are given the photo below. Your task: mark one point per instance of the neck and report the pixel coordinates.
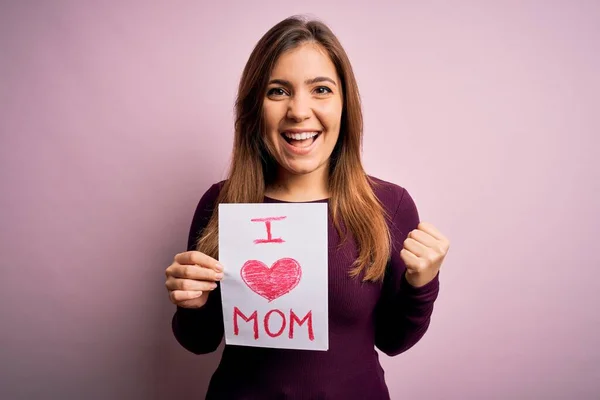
(303, 187)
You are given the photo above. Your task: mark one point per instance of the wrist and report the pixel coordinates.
(419, 279)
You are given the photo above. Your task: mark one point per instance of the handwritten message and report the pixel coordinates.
(274, 293)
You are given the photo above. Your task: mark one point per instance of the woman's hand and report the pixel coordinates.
(191, 277)
(423, 253)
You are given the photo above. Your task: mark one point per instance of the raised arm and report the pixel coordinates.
(404, 312)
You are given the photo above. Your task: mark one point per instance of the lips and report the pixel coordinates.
(300, 143)
(300, 135)
(300, 138)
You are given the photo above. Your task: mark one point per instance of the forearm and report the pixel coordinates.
(200, 330)
(403, 319)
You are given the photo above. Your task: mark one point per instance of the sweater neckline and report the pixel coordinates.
(272, 200)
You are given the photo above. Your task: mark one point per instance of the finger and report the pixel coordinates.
(198, 258)
(415, 247)
(432, 230)
(195, 272)
(190, 285)
(178, 296)
(411, 261)
(424, 238)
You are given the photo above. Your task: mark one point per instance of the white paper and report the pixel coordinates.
(277, 282)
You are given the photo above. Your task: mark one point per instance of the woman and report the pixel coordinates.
(298, 135)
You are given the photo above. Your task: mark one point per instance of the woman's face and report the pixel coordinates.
(303, 109)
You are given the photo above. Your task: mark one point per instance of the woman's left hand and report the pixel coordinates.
(423, 253)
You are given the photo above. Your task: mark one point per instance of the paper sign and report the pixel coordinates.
(274, 292)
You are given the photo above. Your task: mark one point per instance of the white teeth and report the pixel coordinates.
(301, 136)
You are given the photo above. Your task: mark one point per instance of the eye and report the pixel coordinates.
(274, 92)
(323, 90)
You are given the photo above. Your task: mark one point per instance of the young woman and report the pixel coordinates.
(298, 134)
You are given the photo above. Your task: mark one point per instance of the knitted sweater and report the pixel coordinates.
(391, 316)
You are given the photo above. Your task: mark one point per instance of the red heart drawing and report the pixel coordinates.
(274, 282)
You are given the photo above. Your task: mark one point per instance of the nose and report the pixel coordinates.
(298, 108)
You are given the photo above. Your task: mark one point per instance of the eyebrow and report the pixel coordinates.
(307, 82)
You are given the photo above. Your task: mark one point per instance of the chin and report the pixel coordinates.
(302, 168)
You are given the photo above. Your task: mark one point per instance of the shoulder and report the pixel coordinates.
(212, 193)
(208, 200)
(398, 204)
(392, 196)
(204, 210)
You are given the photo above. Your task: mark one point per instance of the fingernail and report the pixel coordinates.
(219, 267)
(219, 275)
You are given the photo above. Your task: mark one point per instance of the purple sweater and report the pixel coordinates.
(391, 315)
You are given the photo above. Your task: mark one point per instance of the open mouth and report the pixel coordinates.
(301, 140)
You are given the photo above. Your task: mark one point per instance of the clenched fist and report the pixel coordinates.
(191, 277)
(423, 253)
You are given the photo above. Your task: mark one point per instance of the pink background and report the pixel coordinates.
(115, 118)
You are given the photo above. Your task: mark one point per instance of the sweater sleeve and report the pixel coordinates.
(404, 312)
(200, 330)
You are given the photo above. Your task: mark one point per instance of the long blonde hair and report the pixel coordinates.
(354, 207)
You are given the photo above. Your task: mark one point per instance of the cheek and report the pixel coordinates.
(330, 116)
(267, 117)
(272, 114)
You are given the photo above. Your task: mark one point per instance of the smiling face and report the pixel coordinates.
(302, 110)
